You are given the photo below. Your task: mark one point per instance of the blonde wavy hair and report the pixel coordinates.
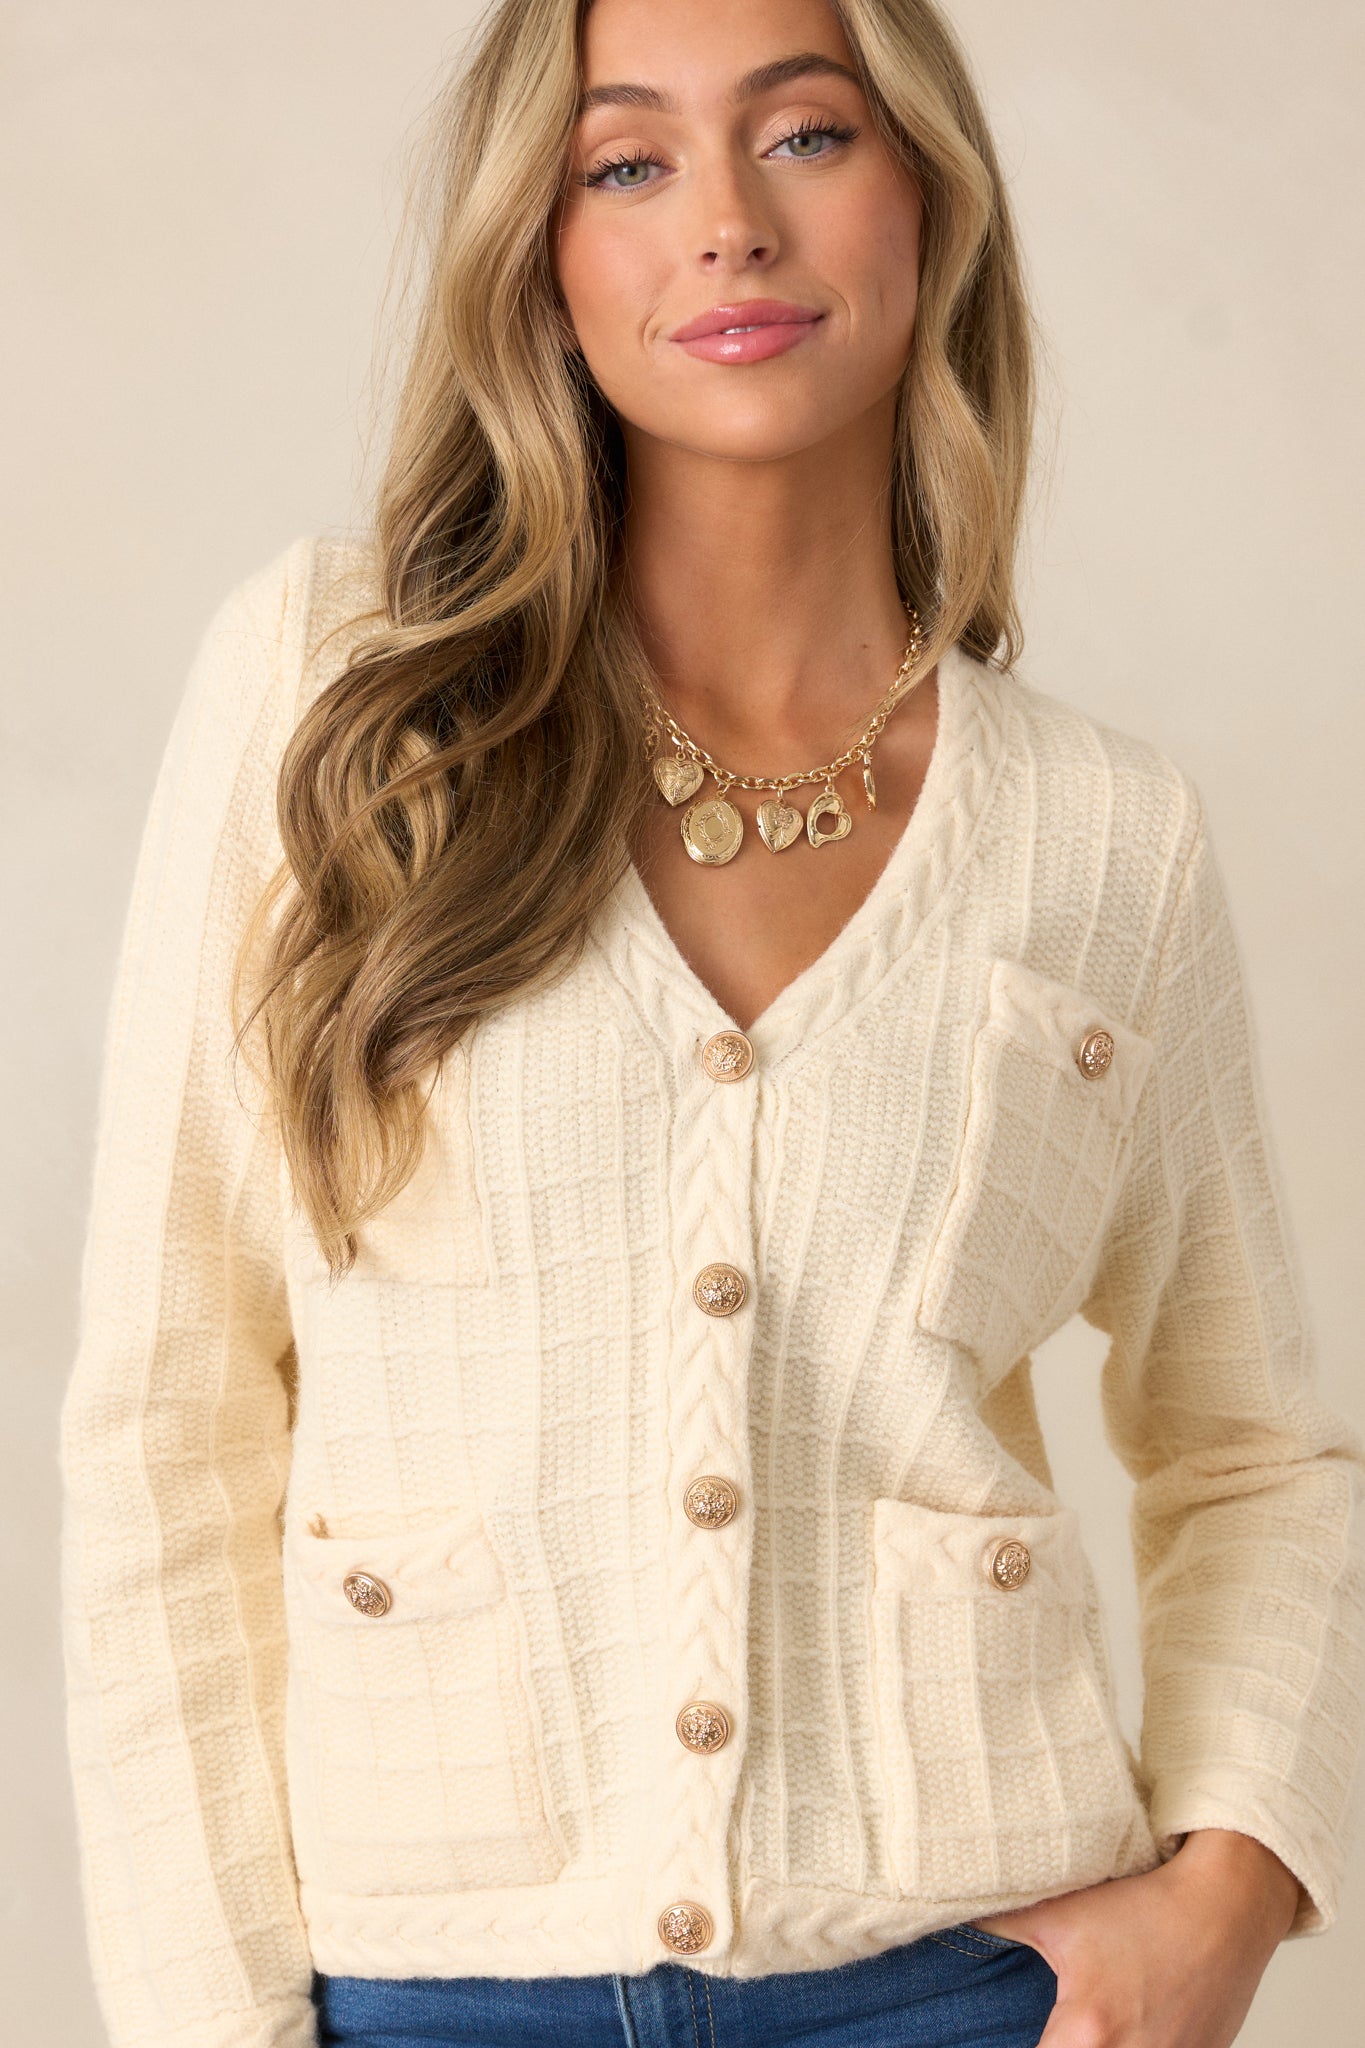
(456, 803)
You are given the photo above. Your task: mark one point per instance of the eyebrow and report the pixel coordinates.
(763, 78)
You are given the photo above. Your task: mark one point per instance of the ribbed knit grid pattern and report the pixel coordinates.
(498, 1413)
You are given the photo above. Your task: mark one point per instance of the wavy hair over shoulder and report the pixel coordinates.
(456, 803)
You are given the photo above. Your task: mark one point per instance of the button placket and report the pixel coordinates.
(703, 1694)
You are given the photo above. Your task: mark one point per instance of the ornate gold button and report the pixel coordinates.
(710, 1501)
(1094, 1054)
(703, 1726)
(719, 1289)
(727, 1056)
(1008, 1563)
(685, 1927)
(366, 1593)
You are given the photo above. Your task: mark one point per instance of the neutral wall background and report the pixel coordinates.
(197, 210)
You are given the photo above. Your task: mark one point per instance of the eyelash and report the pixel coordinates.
(837, 131)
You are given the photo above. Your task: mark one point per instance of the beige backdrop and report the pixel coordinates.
(197, 209)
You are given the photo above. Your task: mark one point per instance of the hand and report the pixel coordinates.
(1170, 1959)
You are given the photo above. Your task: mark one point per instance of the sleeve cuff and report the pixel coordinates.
(1301, 1838)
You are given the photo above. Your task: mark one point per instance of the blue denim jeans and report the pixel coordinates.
(956, 1988)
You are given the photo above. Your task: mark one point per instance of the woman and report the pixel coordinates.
(559, 1546)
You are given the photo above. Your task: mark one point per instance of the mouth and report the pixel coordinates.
(746, 332)
(743, 318)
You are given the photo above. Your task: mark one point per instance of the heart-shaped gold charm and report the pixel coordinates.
(778, 823)
(677, 777)
(829, 804)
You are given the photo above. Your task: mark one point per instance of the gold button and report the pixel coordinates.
(1008, 1563)
(710, 1501)
(368, 1594)
(719, 1289)
(1094, 1053)
(703, 1726)
(685, 1927)
(727, 1056)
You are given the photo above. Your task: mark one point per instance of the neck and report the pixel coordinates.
(765, 591)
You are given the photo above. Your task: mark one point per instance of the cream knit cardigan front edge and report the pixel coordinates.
(176, 1729)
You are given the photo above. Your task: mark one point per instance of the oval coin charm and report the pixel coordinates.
(779, 823)
(712, 830)
(829, 804)
(677, 777)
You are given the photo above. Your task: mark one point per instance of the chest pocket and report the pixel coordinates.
(1054, 1086)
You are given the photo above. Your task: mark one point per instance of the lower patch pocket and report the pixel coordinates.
(414, 1758)
(1004, 1771)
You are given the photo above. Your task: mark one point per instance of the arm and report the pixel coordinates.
(1249, 1573)
(175, 1426)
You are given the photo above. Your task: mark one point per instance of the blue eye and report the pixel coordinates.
(620, 173)
(811, 131)
(600, 173)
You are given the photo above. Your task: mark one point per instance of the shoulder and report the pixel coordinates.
(1082, 762)
(1093, 832)
(1099, 794)
(284, 630)
(275, 637)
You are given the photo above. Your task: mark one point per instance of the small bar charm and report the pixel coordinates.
(868, 784)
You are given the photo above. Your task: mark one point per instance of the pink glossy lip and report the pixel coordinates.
(747, 313)
(770, 327)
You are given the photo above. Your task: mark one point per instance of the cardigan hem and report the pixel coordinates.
(526, 1931)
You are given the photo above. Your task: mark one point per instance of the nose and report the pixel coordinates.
(732, 228)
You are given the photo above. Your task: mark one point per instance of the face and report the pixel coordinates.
(726, 174)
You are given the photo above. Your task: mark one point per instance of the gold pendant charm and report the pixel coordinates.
(712, 830)
(829, 804)
(868, 784)
(677, 777)
(779, 823)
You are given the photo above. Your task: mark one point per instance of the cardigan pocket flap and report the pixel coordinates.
(1052, 1093)
(1004, 1772)
(935, 1555)
(399, 1577)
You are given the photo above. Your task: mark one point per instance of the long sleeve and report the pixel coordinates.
(1248, 1567)
(175, 1425)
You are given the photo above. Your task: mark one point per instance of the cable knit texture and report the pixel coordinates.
(497, 1415)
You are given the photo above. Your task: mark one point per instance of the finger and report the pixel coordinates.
(1069, 2027)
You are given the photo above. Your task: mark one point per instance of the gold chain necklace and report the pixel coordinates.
(712, 827)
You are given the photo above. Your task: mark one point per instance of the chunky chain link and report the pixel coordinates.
(661, 721)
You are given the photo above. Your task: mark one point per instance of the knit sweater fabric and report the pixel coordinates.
(501, 1414)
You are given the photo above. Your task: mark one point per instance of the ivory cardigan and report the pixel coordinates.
(504, 1609)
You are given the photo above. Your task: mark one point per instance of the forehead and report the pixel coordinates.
(695, 50)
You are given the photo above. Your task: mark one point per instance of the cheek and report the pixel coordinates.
(871, 256)
(606, 279)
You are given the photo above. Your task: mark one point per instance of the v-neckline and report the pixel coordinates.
(957, 700)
